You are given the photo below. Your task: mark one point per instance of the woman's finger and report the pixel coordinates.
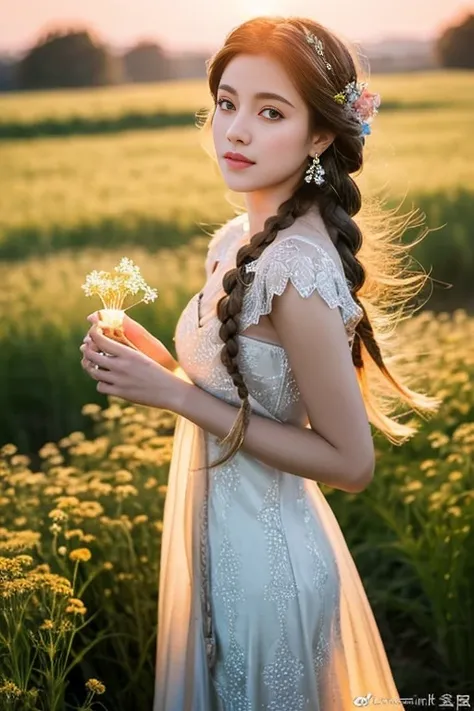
(94, 317)
(96, 358)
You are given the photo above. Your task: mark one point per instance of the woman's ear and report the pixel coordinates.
(322, 141)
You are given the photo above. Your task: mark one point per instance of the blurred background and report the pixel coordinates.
(101, 158)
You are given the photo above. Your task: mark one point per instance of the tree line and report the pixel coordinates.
(78, 58)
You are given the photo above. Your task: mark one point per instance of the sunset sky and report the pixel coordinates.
(203, 24)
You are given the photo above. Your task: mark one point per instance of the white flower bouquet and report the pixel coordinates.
(112, 290)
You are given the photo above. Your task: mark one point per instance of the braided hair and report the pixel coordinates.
(338, 199)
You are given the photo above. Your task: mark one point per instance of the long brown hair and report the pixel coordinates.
(373, 266)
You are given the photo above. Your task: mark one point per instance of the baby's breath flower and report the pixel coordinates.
(80, 554)
(112, 289)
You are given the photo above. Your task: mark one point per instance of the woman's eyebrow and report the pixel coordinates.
(259, 95)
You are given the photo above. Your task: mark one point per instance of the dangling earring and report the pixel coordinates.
(315, 172)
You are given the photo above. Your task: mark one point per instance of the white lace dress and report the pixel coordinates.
(261, 607)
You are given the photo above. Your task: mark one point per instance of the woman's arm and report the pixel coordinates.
(296, 450)
(338, 449)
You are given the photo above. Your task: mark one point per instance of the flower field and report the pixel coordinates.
(83, 478)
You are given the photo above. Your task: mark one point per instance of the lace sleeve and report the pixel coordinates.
(309, 266)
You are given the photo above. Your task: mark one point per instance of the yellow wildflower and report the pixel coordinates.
(47, 625)
(80, 554)
(65, 502)
(58, 515)
(8, 450)
(10, 690)
(150, 482)
(49, 449)
(125, 490)
(90, 409)
(88, 509)
(95, 686)
(123, 476)
(415, 485)
(53, 490)
(74, 532)
(76, 610)
(20, 460)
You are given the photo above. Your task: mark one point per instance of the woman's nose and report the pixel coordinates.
(238, 132)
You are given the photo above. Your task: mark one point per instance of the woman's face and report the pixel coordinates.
(272, 132)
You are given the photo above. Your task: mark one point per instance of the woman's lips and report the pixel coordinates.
(238, 164)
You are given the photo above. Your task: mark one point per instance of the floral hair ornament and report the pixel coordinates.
(359, 103)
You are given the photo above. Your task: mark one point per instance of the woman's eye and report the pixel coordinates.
(274, 111)
(226, 101)
(223, 101)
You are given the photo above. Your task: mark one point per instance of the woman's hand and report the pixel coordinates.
(143, 340)
(128, 373)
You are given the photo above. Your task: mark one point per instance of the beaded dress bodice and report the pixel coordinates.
(264, 365)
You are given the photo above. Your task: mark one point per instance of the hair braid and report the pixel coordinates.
(229, 306)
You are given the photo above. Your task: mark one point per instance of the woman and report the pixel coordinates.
(260, 603)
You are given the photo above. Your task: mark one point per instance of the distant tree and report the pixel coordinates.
(146, 62)
(7, 73)
(455, 47)
(65, 58)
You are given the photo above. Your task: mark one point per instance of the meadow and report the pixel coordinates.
(91, 176)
